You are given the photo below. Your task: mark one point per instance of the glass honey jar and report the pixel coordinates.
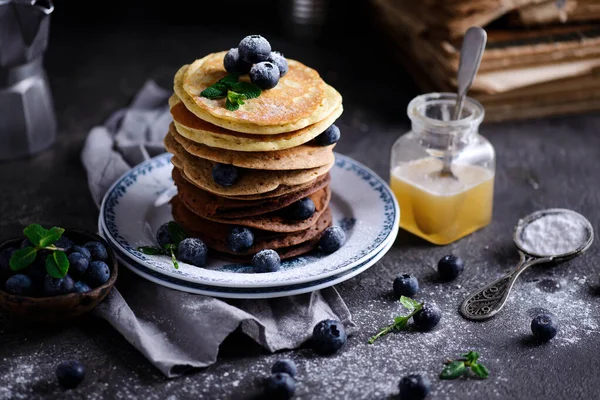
(437, 206)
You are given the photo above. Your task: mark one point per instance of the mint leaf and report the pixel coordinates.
(231, 106)
(471, 357)
(35, 233)
(57, 264)
(400, 323)
(229, 79)
(22, 258)
(453, 370)
(409, 303)
(51, 236)
(172, 248)
(249, 90)
(216, 91)
(480, 370)
(153, 251)
(177, 234)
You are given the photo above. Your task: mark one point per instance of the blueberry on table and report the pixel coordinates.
(254, 49)
(414, 387)
(543, 327)
(279, 386)
(64, 243)
(234, 64)
(78, 264)
(163, 237)
(192, 251)
(97, 273)
(82, 250)
(240, 239)
(266, 261)
(332, 239)
(405, 285)
(301, 209)
(70, 374)
(286, 366)
(428, 317)
(265, 75)
(5, 256)
(20, 285)
(225, 174)
(328, 336)
(97, 250)
(81, 287)
(58, 286)
(330, 136)
(278, 59)
(450, 267)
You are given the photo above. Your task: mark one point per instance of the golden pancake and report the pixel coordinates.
(300, 99)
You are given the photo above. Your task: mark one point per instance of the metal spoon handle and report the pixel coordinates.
(471, 53)
(488, 301)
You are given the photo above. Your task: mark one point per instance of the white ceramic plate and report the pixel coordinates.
(362, 203)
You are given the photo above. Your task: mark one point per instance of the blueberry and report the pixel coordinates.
(332, 239)
(330, 136)
(266, 261)
(414, 387)
(543, 327)
(192, 251)
(240, 239)
(64, 243)
(428, 317)
(78, 264)
(81, 250)
(302, 209)
(254, 49)
(328, 336)
(225, 174)
(5, 256)
(20, 285)
(37, 270)
(81, 287)
(234, 64)
(70, 374)
(450, 267)
(97, 250)
(97, 273)
(58, 286)
(265, 75)
(279, 60)
(280, 386)
(163, 237)
(26, 243)
(405, 285)
(286, 366)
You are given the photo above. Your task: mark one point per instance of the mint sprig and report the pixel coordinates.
(401, 321)
(170, 249)
(231, 89)
(456, 368)
(57, 263)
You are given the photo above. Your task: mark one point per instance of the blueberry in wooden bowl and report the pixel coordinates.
(53, 275)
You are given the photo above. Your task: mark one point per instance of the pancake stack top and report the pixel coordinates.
(252, 175)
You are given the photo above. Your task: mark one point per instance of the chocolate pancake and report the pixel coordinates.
(209, 206)
(215, 234)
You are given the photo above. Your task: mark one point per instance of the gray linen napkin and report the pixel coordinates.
(177, 331)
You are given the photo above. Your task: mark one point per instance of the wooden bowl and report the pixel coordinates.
(63, 307)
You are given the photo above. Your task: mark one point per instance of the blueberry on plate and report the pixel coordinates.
(163, 237)
(278, 59)
(414, 387)
(330, 136)
(64, 243)
(405, 285)
(58, 286)
(20, 285)
(97, 250)
(240, 239)
(37, 270)
(279, 386)
(428, 317)
(97, 273)
(450, 267)
(543, 327)
(70, 374)
(5, 256)
(81, 287)
(286, 366)
(234, 64)
(225, 174)
(265, 75)
(254, 49)
(81, 250)
(192, 251)
(332, 239)
(266, 261)
(301, 209)
(328, 336)
(78, 264)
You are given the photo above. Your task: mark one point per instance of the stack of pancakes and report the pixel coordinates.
(270, 141)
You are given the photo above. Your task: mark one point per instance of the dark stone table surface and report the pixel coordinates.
(541, 163)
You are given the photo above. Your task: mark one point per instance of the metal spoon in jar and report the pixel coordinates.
(471, 53)
(487, 302)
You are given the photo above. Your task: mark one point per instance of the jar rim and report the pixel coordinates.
(475, 116)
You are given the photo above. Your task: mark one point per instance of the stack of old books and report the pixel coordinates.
(542, 56)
